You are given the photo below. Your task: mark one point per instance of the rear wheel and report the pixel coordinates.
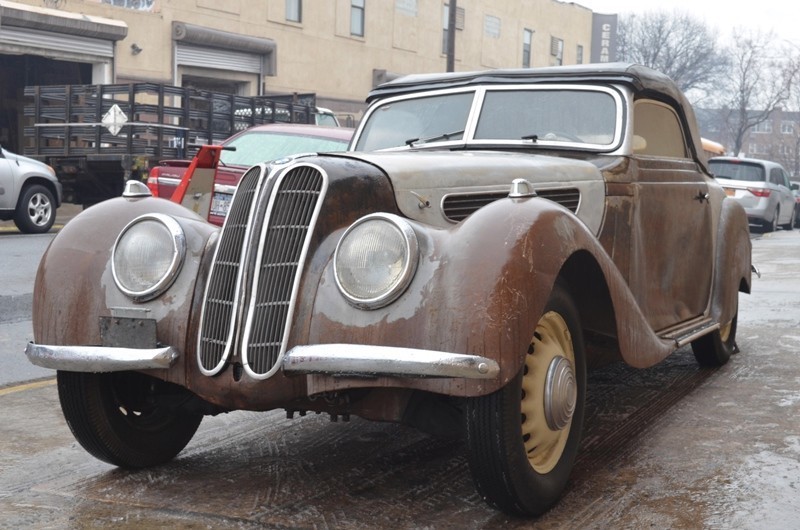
(716, 348)
(522, 439)
(125, 418)
(36, 210)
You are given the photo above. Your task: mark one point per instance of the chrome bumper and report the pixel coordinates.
(331, 359)
(372, 361)
(99, 358)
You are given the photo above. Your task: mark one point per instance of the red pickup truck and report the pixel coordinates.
(224, 165)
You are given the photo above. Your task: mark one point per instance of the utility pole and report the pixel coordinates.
(451, 35)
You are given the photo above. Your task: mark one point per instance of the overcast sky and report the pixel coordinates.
(780, 16)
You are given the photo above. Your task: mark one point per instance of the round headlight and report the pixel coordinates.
(375, 260)
(147, 256)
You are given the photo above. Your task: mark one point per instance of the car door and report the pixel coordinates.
(672, 262)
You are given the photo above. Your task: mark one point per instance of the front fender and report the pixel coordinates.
(480, 289)
(74, 285)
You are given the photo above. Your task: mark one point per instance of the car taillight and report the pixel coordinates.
(759, 192)
(152, 180)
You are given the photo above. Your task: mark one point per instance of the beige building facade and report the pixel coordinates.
(337, 49)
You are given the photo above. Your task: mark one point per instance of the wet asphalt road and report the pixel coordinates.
(673, 446)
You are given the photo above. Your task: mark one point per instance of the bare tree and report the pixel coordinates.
(758, 82)
(675, 43)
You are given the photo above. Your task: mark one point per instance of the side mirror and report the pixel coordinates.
(795, 186)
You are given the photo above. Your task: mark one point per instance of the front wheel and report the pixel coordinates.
(127, 419)
(36, 211)
(522, 439)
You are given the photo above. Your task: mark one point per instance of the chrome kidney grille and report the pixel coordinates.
(257, 267)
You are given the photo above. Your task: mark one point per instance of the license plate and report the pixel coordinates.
(123, 332)
(220, 204)
(730, 192)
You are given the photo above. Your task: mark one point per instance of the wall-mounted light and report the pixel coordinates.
(135, 49)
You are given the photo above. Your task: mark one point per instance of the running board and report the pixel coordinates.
(689, 331)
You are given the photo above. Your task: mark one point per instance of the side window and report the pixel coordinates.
(657, 130)
(776, 176)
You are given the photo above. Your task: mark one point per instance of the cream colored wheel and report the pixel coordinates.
(549, 393)
(522, 439)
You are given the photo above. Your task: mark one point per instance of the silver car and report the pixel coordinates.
(761, 186)
(30, 193)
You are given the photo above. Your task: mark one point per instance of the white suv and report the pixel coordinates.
(30, 193)
(761, 186)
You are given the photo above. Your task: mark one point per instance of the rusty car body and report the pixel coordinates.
(487, 237)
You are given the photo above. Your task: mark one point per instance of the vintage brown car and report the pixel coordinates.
(488, 237)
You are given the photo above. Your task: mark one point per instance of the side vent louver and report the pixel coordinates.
(458, 207)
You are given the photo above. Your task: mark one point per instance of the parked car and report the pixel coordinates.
(796, 193)
(243, 150)
(762, 187)
(30, 193)
(488, 237)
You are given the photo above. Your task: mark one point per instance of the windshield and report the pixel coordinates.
(256, 147)
(581, 116)
(587, 117)
(416, 121)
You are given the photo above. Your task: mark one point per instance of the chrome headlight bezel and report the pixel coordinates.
(400, 281)
(176, 246)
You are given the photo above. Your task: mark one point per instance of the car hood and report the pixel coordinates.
(29, 166)
(424, 180)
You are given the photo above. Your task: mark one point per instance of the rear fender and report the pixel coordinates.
(733, 261)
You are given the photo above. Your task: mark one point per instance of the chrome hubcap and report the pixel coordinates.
(560, 394)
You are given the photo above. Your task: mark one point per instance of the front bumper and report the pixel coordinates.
(99, 358)
(327, 359)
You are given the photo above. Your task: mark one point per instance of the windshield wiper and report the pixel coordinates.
(443, 136)
(532, 137)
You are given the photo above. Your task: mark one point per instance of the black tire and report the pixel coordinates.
(716, 348)
(797, 216)
(524, 480)
(771, 226)
(36, 210)
(790, 224)
(127, 419)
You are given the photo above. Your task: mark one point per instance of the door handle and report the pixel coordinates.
(701, 196)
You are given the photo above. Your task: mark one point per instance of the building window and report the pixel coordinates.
(357, 18)
(787, 127)
(139, 5)
(764, 127)
(294, 10)
(557, 51)
(579, 55)
(527, 38)
(491, 27)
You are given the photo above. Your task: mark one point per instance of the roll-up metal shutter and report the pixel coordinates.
(188, 55)
(27, 40)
